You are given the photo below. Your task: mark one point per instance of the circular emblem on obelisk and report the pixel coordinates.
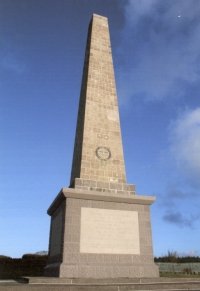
(103, 153)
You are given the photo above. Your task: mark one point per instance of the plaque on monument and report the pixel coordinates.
(108, 231)
(100, 228)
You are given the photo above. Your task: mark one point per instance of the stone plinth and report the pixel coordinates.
(100, 235)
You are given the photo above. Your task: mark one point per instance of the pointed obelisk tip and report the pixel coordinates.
(94, 15)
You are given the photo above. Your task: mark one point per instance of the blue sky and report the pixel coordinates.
(156, 52)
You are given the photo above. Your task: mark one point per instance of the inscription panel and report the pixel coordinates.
(106, 231)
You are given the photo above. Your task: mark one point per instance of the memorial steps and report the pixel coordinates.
(125, 284)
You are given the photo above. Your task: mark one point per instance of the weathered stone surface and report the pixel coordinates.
(110, 231)
(98, 153)
(118, 284)
(78, 264)
(100, 228)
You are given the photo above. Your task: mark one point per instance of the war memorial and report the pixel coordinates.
(100, 227)
(100, 233)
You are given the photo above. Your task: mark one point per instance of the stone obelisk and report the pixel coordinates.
(100, 228)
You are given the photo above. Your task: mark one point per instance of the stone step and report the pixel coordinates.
(115, 281)
(62, 284)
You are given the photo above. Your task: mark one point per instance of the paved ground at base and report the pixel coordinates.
(62, 284)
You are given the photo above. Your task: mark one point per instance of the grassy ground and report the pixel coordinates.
(179, 275)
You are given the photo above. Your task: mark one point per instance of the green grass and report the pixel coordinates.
(178, 275)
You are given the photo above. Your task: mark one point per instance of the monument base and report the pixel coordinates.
(118, 271)
(100, 235)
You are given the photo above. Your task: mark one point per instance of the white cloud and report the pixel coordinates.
(160, 52)
(185, 143)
